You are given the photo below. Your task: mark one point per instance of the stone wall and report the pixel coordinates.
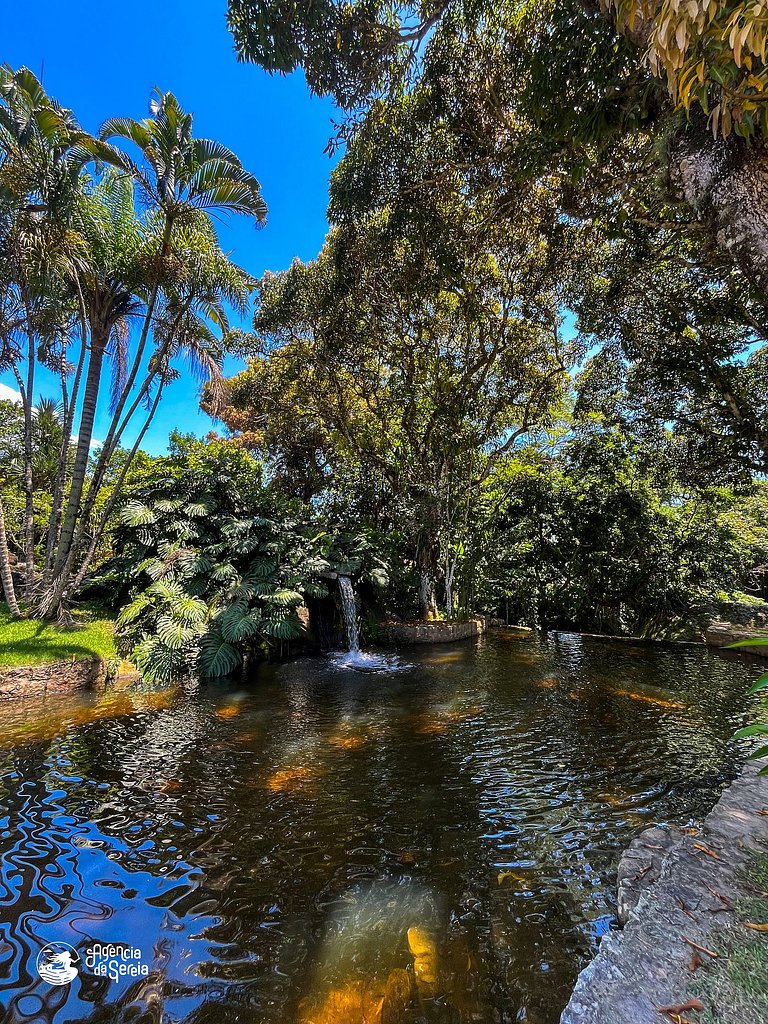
(429, 632)
(677, 887)
(56, 677)
(721, 634)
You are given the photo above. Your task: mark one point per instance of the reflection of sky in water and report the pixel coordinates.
(269, 847)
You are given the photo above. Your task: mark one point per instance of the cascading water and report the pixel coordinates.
(349, 611)
(355, 658)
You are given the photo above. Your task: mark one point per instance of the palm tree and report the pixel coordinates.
(179, 175)
(183, 180)
(42, 155)
(109, 283)
(6, 574)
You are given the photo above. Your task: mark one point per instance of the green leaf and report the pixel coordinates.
(760, 752)
(757, 641)
(285, 598)
(751, 730)
(136, 513)
(760, 684)
(132, 611)
(217, 656)
(174, 634)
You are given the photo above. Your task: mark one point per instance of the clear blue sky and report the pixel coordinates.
(104, 59)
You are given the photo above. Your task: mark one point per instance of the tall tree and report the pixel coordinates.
(505, 93)
(416, 362)
(42, 156)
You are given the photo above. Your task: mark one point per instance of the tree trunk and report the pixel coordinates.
(29, 508)
(450, 573)
(5, 570)
(427, 598)
(80, 466)
(725, 182)
(427, 562)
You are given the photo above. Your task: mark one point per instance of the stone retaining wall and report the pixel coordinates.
(55, 677)
(677, 887)
(721, 634)
(429, 632)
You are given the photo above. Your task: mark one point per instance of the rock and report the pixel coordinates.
(54, 677)
(691, 881)
(640, 866)
(429, 632)
(721, 634)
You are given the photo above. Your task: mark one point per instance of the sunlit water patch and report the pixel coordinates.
(436, 844)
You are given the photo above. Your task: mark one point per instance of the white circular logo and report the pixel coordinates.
(56, 963)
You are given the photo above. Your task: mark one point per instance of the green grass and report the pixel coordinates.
(32, 642)
(735, 990)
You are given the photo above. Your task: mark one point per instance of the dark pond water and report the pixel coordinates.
(304, 850)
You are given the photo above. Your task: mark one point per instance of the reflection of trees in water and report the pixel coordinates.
(284, 836)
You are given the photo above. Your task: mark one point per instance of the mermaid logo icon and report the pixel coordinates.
(56, 963)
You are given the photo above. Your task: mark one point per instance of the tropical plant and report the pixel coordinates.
(760, 686)
(218, 563)
(598, 533)
(416, 363)
(599, 96)
(84, 269)
(171, 276)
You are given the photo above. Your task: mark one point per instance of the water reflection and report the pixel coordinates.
(434, 845)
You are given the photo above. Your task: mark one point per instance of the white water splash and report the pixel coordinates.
(354, 658)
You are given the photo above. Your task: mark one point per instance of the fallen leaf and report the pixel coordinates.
(755, 927)
(692, 1004)
(727, 904)
(685, 910)
(640, 874)
(706, 849)
(695, 962)
(701, 949)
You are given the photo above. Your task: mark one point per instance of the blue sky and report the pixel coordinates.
(104, 59)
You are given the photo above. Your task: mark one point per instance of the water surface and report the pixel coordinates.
(268, 847)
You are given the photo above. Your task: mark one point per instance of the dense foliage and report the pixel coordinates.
(526, 374)
(216, 561)
(92, 277)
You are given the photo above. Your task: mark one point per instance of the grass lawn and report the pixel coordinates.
(32, 642)
(735, 988)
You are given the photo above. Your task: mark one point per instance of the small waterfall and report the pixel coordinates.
(349, 611)
(354, 658)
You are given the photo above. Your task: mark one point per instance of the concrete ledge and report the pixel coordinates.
(53, 677)
(721, 634)
(429, 632)
(675, 885)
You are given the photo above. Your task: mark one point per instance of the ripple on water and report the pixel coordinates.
(271, 849)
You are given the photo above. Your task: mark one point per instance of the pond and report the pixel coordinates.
(436, 844)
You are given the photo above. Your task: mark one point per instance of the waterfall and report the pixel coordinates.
(354, 658)
(349, 611)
